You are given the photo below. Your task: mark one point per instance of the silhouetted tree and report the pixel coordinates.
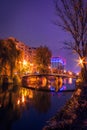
(72, 17)
(43, 59)
(8, 55)
(4, 56)
(15, 54)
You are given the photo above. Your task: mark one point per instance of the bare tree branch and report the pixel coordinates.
(72, 17)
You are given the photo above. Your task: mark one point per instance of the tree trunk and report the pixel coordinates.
(84, 73)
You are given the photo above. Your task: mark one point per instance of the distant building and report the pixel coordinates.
(32, 52)
(29, 52)
(21, 46)
(57, 63)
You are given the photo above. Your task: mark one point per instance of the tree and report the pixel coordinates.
(4, 56)
(8, 55)
(72, 17)
(15, 54)
(42, 59)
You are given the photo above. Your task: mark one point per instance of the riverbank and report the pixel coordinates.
(73, 115)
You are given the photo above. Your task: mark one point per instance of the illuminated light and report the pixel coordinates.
(49, 86)
(31, 94)
(77, 73)
(70, 81)
(24, 62)
(64, 71)
(31, 64)
(49, 67)
(58, 60)
(20, 62)
(70, 73)
(64, 81)
(63, 88)
(44, 82)
(25, 93)
(23, 98)
(80, 61)
(52, 88)
(78, 92)
(18, 102)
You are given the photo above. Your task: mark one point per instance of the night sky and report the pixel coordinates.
(31, 21)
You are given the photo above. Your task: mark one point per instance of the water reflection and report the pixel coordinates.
(8, 108)
(47, 83)
(12, 104)
(70, 81)
(38, 99)
(15, 100)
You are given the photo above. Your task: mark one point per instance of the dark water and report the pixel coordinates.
(26, 109)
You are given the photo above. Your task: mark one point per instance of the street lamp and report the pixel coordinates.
(24, 62)
(81, 61)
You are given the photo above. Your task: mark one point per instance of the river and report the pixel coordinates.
(26, 109)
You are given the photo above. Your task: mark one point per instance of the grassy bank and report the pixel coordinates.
(73, 115)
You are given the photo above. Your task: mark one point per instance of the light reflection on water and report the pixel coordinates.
(23, 108)
(53, 84)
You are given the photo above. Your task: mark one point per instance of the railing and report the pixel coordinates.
(56, 75)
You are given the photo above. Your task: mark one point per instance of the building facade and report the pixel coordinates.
(57, 64)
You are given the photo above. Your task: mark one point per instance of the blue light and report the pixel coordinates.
(57, 60)
(52, 88)
(63, 88)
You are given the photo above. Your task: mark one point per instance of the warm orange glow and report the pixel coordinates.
(30, 94)
(70, 81)
(18, 102)
(49, 67)
(31, 64)
(70, 73)
(77, 73)
(19, 62)
(23, 98)
(44, 82)
(25, 93)
(80, 61)
(24, 62)
(64, 71)
(78, 92)
(49, 86)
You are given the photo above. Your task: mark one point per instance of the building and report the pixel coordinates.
(29, 52)
(32, 52)
(23, 47)
(57, 64)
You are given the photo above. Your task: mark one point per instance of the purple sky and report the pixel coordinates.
(31, 21)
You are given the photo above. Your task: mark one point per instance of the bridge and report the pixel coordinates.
(41, 81)
(53, 74)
